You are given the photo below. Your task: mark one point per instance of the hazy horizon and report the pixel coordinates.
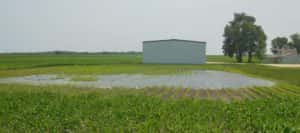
(110, 25)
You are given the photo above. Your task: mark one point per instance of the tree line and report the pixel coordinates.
(284, 42)
(242, 36)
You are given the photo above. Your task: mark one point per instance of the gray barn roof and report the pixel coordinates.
(175, 40)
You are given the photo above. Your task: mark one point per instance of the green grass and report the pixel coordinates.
(27, 108)
(17, 61)
(226, 59)
(84, 78)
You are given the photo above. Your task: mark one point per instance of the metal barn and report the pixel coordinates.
(174, 51)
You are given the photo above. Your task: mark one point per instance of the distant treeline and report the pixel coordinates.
(74, 52)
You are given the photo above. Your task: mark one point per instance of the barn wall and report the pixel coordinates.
(174, 52)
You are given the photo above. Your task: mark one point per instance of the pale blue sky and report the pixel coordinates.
(111, 25)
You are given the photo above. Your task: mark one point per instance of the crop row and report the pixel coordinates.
(227, 95)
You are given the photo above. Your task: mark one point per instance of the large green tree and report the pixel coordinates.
(278, 43)
(243, 36)
(296, 41)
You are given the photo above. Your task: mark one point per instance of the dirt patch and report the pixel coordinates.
(224, 95)
(213, 94)
(203, 93)
(284, 65)
(192, 93)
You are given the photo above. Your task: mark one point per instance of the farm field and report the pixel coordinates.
(12, 61)
(66, 108)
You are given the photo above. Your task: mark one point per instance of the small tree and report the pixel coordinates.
(279, 43)
(295, 41)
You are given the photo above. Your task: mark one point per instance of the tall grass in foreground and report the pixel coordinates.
(67, 109)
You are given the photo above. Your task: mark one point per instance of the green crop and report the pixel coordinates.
(49, 108)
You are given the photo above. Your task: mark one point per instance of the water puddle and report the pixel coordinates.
(193, 80)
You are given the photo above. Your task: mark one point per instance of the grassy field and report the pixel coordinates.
(14, 61)
(26, 108)
(220, 58)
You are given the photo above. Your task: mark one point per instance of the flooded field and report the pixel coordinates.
(192, 80)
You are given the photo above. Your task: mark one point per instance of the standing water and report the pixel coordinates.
(192, 80)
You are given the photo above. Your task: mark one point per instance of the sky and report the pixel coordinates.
(122, 25)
